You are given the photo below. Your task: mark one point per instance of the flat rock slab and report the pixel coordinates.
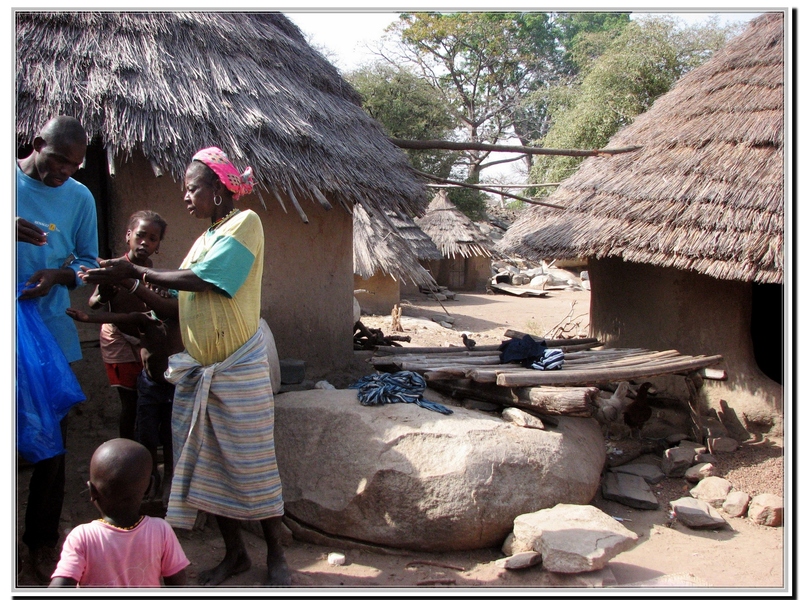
(651, 473)
(401, 476)
(521, 560)
(571, 538)
(697, 514)
(630, 490)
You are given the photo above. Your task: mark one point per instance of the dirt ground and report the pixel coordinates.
(741, 556)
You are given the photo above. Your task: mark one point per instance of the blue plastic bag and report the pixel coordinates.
(46, 386)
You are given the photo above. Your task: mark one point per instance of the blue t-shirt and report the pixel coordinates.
(67, 214)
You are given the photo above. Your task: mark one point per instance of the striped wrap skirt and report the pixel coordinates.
(222, 426)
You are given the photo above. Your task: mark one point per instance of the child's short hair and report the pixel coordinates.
(148, 215)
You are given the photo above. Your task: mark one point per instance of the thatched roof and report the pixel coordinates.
(170, 83)
(706, 191)
(421, 244)
(379, 246)
(452, 231)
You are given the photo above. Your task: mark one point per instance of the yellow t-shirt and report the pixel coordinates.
(214, 324)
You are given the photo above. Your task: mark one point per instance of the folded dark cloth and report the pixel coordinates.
(389, 388)
(531, 353)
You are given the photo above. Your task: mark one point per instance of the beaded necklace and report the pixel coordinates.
(123, 528)
(223, 219)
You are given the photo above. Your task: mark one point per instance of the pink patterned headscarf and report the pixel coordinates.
(216, 160)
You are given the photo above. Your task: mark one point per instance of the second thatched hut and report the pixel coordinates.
(685, 236)
(467, 252)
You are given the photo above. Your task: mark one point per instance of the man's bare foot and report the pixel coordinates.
(278, 572)
(229, 566)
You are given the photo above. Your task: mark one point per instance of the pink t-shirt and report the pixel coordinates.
(99, 555)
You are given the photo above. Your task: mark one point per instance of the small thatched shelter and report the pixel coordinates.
(467, 252)
(386, 254)
(153, 87)
(685, 236)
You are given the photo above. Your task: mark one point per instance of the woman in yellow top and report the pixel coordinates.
(223, 412)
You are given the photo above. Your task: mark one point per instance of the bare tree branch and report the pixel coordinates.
(488, 189)
(445, 145)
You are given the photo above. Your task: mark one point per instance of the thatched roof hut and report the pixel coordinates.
(685, 236)
(386, 257)
(467, 252)
(169, 83)
(452, 231)
(706, 191)
(378, 246)
(153, 87)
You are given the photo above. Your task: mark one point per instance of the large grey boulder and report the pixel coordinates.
(402, 476)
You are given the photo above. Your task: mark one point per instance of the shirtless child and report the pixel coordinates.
(158, 339)
(120, 352)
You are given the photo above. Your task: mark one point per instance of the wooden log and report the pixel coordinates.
(437, 349)
(530, 377)
(440, 373)
(466, 389)
(490, 375)
(390, 357)
(463, 388)
(513, 333)
(570, 401)
(622, 361)
(575, 347)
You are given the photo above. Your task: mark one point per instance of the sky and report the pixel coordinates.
(346, 36)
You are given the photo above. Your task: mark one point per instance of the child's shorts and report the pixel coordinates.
(154, 413)
(123, 375)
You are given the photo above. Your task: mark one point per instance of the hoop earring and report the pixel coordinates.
(215, 200)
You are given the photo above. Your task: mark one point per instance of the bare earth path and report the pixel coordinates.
(740, 557)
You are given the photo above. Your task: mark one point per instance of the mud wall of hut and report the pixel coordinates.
(644, 306)
(381, 293)
(308, 268)
(466, 274)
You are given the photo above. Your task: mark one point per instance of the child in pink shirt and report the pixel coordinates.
(121, 549)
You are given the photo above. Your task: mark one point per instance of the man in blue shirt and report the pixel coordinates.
(56, 234)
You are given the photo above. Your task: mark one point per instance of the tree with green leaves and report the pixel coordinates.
(482, 64)
(493, 71)
(409, 108)
(621, 75)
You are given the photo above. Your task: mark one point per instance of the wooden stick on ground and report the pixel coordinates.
(433, 563)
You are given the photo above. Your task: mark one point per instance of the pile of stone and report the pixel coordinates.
(629, 484)
(540, 277)
(437, 292)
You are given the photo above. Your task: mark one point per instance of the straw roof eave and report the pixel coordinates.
(705, 193)
(379, 247)
(453, 232)
(168, 83)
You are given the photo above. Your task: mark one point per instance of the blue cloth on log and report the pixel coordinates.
(389, 388)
